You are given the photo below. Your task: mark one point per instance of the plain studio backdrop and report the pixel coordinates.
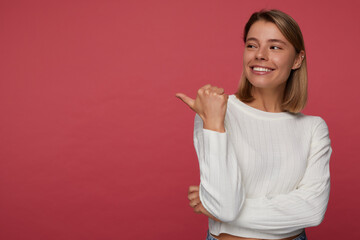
(95, 145)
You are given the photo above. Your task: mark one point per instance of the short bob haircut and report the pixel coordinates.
(295, 93)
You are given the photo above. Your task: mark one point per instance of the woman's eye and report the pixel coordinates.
(250, 46)
(275, 47)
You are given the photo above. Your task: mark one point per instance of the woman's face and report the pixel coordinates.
(268, 56)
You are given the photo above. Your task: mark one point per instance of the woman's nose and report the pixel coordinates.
(261, 54)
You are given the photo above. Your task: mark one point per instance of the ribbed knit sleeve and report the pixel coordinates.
(221, 191)
(303, 207)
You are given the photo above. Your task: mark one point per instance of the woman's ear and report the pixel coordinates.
(298, 60)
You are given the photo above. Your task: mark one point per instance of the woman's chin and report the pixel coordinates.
(259, 84)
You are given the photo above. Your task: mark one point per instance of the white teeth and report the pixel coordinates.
(260, 69)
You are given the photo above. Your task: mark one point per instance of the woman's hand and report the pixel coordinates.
(195, 203)
(210, 104)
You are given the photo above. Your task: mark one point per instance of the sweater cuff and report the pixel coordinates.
(215, 142)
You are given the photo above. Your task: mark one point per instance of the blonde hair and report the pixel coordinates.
(295, 93)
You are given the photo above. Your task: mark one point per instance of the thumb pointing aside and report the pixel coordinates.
(187, 100)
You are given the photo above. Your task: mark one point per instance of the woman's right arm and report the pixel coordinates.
(221, 192)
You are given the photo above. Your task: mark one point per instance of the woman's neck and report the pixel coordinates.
(267, 100)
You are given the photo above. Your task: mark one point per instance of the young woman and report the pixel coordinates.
(264, 165)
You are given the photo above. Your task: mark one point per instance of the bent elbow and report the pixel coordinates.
(229, 217)
(226, 207)
(319, 220)
(319, 217)
(231, 211)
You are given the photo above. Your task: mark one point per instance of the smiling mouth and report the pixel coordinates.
(261, 69)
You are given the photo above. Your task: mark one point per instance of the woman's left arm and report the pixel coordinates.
(303, 207)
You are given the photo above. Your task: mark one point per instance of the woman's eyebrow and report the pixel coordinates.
(252, 39)
(270, 40)
(277, 40)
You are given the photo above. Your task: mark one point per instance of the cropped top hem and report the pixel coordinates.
(218, 228)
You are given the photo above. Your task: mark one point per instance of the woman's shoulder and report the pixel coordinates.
(315, 122)
(315, 119)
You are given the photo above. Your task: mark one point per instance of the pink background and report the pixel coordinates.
(95, 145)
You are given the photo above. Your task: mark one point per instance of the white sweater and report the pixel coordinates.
(267, 176)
